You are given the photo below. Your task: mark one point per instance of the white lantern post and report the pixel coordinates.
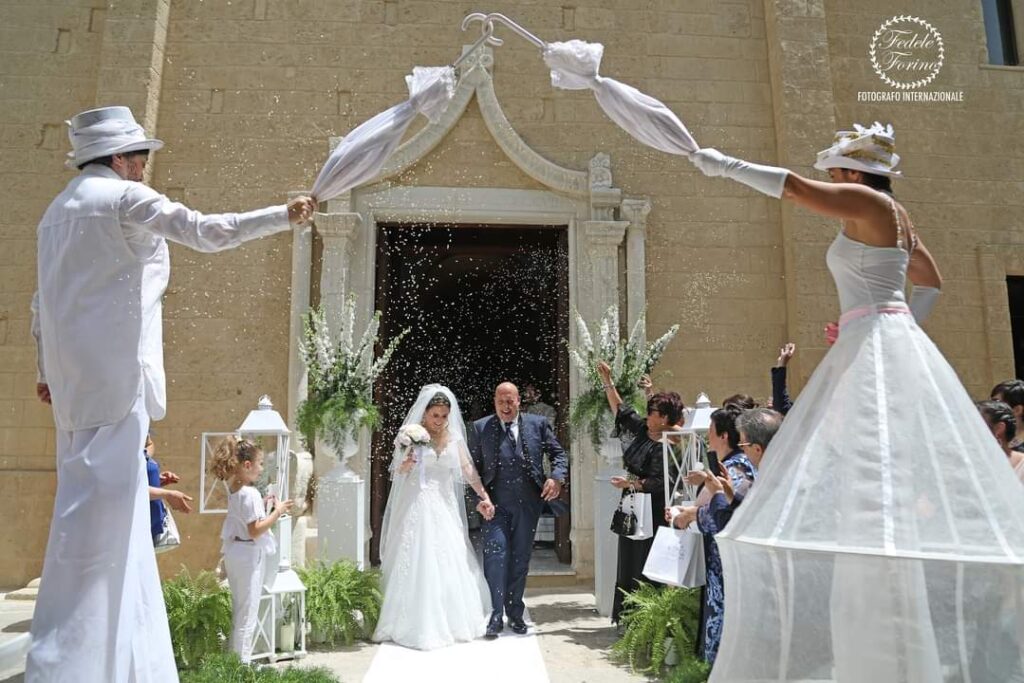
(692, 451)
(282, 588)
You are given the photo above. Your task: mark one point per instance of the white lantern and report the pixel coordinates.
(686, 449)
(283, 601)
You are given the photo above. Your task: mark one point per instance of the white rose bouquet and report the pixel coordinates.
(412, 435)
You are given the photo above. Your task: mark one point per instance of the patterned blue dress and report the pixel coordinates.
(742, 472)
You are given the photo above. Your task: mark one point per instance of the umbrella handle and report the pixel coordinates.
(501, 18)
(486, 35)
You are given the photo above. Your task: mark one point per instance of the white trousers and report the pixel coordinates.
(244, 563)
(100, 614)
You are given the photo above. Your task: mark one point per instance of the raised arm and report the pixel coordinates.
(848, 201)
(143, 209)
(614, 400)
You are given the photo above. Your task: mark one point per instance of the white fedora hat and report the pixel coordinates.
(869, 150)
(106, 131)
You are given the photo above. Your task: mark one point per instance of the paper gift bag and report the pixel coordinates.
(676, 558)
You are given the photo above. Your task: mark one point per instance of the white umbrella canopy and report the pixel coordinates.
(361, 155)
(574, 66)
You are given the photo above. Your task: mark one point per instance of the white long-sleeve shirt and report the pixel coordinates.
(103, 267)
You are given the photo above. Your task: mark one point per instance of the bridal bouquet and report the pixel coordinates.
(412, 435)
(340, 377)
(630, 360)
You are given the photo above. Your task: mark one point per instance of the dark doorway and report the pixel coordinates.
(1015, 290)
(485, 304)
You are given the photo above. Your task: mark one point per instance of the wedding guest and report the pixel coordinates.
(533, 403)
(756, 428)
(1000, 419)
(642, 460)
(103, 267)
(1011, 392)
(780, 393)
(246, 538)
(159, 495)
(723, 438)
(740, 402)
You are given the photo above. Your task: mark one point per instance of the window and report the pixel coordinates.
(999, 30)
(1015, 289)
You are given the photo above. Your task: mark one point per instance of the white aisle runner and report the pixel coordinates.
(509, 658)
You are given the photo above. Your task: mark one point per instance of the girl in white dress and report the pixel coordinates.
(246, 538)
(885, 517)
(434, 589)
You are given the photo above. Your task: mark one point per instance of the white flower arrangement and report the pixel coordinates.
(630, 360)
(412, 435)
(340, 377)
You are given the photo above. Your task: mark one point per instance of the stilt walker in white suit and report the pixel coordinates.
(103, 268)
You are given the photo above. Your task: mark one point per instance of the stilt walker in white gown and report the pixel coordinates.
(103, 267)
(884, 540)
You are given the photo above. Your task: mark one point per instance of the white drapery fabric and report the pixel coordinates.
(361, 155)
(574, 66)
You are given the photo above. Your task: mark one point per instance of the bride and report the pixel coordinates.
(434, 590)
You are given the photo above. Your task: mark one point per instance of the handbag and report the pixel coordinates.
(624, 520)
(676, 558)
(644, 517)
(169, 538)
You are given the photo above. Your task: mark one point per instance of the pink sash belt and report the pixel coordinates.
(873, 309)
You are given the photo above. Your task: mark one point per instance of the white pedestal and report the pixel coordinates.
(606, 543)
(341, 516)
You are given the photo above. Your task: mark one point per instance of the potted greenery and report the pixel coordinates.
(630, 360)
(657, 621)
(228, 668)
(342, 601)
(340, 380)
(199, 616)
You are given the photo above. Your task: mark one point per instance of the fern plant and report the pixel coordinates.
(340, 377)
(630, 360)
(228, 668)
(199, 616)
(650, 616)
(342, 601)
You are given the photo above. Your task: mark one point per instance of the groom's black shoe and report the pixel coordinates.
(517, 625)
(494, 628)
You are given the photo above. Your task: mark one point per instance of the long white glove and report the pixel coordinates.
(767, 179)
(922, 301)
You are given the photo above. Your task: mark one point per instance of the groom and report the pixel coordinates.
(508, 450)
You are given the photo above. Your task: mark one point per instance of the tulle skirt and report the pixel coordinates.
(434, 589)
(884, 538)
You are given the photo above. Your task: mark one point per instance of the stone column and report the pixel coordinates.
(635, 211)
(599, 248)
(132, 59)
(803, 99)
(341, 491)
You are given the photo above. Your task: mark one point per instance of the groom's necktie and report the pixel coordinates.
(511, 435)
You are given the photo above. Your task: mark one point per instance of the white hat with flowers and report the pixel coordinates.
(869, 150)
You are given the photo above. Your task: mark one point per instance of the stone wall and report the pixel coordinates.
(246, 94)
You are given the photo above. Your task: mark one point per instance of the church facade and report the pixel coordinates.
(249, 97)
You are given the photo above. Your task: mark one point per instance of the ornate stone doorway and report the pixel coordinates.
(604, 240)
(485, 304)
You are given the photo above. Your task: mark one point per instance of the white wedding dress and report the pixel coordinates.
(884, 539)
(434, 589)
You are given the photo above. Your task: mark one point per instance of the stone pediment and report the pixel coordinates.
(475, 80)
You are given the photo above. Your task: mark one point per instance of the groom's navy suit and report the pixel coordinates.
(512, 470)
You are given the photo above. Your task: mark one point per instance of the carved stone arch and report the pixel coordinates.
(475, 79)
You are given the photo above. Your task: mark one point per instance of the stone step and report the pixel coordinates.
(29, 592)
